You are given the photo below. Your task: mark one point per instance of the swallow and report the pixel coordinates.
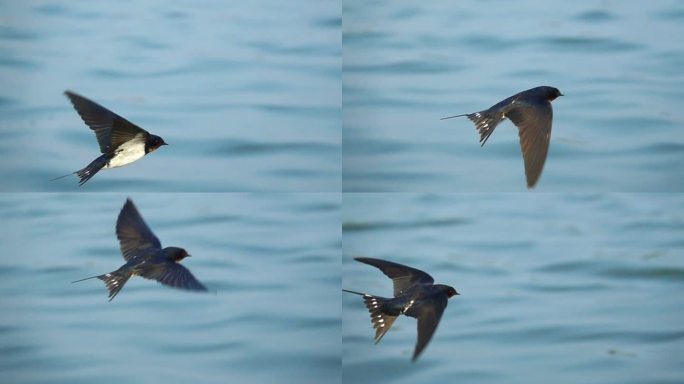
(415, 295)
(121, 142)
(145, 257)
(531, 112)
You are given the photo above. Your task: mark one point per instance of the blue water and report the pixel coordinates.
(247, 95)
(277, 114)
(272, 262)
(409, 63)
(581, 288)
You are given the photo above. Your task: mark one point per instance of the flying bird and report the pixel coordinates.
(531, 112)
(415, 295)
(121, 142)
(145, 257)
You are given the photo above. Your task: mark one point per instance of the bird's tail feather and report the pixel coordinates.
(61, 177)
(86, 173)
(87, 278)
(89, 171)
(354, 292)
(484, 121)
(381, 321)
(113, 280)
(451, 117)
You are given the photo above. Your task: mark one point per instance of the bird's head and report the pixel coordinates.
(176, 254)
(552, 93)
(153, 142)
(449, 291)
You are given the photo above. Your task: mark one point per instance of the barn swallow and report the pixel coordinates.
(531, 112)
(415, 295)
(145, 257)
(121, 142)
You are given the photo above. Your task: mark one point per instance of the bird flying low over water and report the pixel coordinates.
(415, 295)
(531, 112)
(145, 257)
(121, 142)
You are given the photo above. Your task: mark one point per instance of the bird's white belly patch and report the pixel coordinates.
(128, 152)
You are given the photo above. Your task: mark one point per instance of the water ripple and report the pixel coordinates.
(373, 226)
(589, 44)
(596, 16)
(244, 148)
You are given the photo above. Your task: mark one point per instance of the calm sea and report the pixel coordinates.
(409, 63)
(580, 288)
(247, 95)
(272, 109)
(271, 262)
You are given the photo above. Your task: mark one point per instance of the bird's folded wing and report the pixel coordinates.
(133, 234)
(402, 276)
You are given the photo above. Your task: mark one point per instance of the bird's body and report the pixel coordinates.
(128, 152)
(415, 295)
(144, 257)
(121, 142)
(532, 113)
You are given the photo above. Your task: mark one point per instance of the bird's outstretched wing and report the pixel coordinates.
(534, 128)
(402, 276)
(173, 275)
(110, 129)
(134, 235)
(428, 313)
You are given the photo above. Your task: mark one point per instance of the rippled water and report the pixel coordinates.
(554, 288)
(271, 261)
(247, 96)
(408, 63)
(277, 102)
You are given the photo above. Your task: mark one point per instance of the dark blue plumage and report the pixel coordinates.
(145, 257)
(121, 142)
(415, 295)
(532, 113)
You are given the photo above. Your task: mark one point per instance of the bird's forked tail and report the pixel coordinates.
(89, 171)
(484, 121)
(382, 322)
(113, 280)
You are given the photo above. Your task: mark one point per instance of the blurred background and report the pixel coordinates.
(575, 288)
(406, 64)
(247, 95)
(271, 262)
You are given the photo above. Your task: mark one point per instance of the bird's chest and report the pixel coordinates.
(127, 153)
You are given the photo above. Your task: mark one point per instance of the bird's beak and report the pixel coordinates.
(561, 94)
(167, 144)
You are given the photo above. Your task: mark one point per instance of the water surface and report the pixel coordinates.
(554, 288)
(272, 262)
(247, 96)
(406, 64)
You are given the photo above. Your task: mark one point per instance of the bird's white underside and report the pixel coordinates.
(128, 152)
